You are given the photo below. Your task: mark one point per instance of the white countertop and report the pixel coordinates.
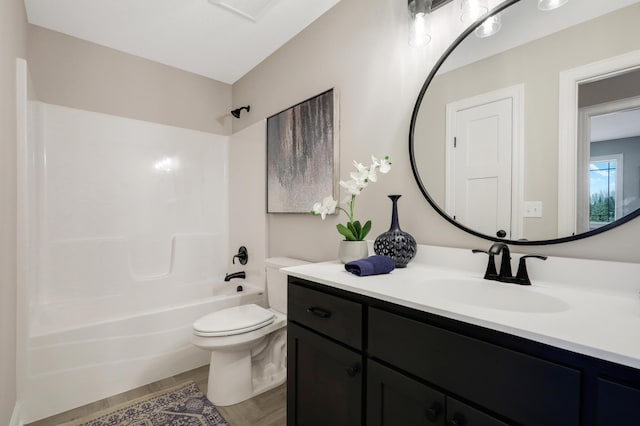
(592, 310)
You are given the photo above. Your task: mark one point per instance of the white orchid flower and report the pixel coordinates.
(359, 166)
(383, 164)
(360, 178)
(351, 186)
(328, 206)
(372, 176)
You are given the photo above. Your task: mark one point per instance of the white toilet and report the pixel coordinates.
(248, 343)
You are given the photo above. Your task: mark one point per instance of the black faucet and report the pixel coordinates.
(505, 275)
(229, 277)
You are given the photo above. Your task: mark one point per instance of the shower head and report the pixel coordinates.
(236, 112)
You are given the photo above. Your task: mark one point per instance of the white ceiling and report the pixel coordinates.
(193, 35)
(619, 125)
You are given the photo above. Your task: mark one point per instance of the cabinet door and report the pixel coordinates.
(324, 381)
(394, 399)
(526, 389)
(459, 414)
(617, 404)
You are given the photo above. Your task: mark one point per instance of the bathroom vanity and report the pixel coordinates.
(412, 348)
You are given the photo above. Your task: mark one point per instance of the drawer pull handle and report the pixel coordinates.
(319, 312)
(433, 413)
(353, 370)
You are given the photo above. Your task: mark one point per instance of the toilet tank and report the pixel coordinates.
(277, 281)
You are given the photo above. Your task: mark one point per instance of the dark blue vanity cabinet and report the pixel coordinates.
(325, 364)
(355, 360)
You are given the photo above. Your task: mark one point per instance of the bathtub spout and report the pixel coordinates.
(240, 274)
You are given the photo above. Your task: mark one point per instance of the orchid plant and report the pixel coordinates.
(353, 230)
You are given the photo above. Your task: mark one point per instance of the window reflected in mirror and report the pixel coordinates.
(609, 114)
(604, 190)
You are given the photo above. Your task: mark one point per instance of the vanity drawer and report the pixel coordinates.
(333, 316)
(528, 390)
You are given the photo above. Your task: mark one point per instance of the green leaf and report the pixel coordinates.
(348, 235)
(365, 230)
(358, 228)
(352, 228)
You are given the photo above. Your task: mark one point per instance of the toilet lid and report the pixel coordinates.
(236, 320)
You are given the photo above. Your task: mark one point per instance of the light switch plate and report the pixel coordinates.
(533, 209)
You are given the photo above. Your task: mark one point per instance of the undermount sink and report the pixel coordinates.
(495, 295)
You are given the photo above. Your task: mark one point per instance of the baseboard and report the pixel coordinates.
(16, 417)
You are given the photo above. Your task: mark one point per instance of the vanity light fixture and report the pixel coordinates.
(550, 4)
(472, 10)
(419, 22)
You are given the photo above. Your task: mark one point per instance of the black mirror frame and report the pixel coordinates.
(416, 174)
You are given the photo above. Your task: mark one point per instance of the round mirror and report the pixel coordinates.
(531, 135)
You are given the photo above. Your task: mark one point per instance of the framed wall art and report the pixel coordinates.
(302, 154)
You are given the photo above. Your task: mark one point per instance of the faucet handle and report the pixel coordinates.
(491, 273)
(522, 277)
(243, 256)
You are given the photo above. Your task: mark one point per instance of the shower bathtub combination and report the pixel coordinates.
(128, 245)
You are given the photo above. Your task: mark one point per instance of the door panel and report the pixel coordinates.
(331, 381)
(482, 166)
(394, 399)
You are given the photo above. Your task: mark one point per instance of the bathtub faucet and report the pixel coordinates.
(229, 277)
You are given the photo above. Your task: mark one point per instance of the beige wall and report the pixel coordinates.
(13, 40)
(79, 74)
(536, 65)
(360, 47)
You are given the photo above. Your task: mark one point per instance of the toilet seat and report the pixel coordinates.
(232, 321)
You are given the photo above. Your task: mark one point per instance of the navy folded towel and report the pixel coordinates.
(372, 265)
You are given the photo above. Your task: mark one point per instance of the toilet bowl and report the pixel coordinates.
(247, 342)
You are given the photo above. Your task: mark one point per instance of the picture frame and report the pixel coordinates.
(302, 154)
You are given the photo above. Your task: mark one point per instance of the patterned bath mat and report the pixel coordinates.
(183, 405)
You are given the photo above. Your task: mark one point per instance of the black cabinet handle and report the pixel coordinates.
(319, 312)
(353, 370)
(433, 413)
(501, 233)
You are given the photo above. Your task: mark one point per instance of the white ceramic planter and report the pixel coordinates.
(349, 251)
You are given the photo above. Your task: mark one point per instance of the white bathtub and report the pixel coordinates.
(69, 366)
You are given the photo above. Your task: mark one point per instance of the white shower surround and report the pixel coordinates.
(128, 244)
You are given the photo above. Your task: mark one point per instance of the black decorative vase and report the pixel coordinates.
(395, 243)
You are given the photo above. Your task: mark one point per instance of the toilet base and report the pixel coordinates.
(240, 375)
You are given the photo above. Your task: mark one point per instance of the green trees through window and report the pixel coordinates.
(602, 206)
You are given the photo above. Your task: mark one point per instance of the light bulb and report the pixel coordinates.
(550, 4)
(419, 34)
(472, 10)
(489, 27)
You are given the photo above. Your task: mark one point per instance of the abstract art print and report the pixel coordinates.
(302, 152)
